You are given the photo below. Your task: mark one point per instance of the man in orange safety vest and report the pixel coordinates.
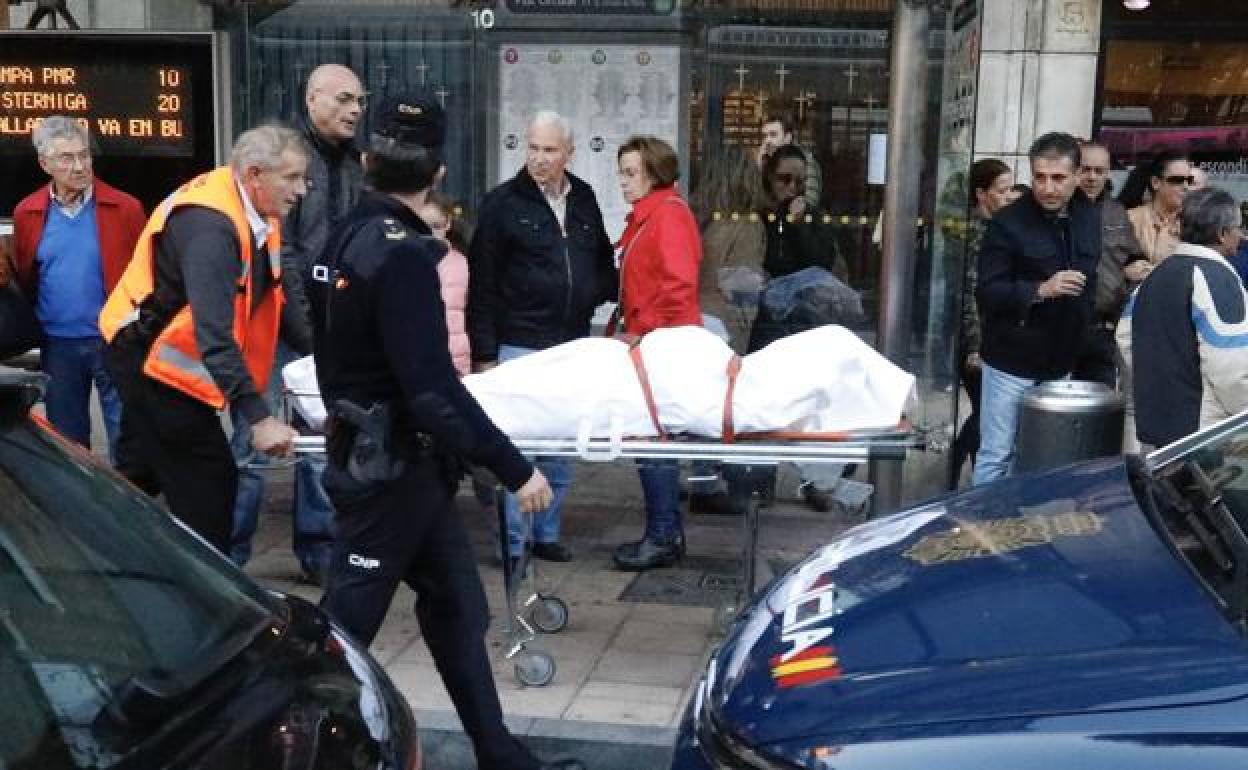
(192, 326)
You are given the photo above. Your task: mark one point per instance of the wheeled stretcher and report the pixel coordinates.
(676, 394)
(531, 611)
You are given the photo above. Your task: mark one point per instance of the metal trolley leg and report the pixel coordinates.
(538, 612)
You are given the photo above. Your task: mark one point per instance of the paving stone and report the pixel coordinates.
(550, 701)
(701, 617)
(595, 617)
(611, 709)
(420, 684)
(398, 632)
(644, 636)
(667, 696)
(415, 652)
(645, 668)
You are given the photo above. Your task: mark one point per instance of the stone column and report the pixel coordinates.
(1037, 74)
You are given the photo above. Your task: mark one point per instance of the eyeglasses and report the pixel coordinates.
(67, 159)
(1177, 180)
(785, 178)
(344, 98)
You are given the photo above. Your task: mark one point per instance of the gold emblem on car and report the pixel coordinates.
(980, 539)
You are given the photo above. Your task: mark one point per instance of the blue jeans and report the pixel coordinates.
(312, 533)
(558, 473)
(72, 365)
(999, 411)
(660, 485)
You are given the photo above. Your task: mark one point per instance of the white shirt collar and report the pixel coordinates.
(558, 191)
(259, 225)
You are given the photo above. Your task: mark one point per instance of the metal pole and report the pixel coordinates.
(907, 117)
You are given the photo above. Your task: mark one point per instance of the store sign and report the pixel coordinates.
(147, 102)
(593, 7)
(132, 106)
(1073, 25)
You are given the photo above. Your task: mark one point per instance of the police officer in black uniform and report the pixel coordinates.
(399, 421)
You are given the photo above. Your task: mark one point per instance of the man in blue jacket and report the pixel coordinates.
(1037, 276)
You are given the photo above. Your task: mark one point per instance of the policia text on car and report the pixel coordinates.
(399, 422)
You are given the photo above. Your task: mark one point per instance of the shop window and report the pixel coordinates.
(1188, 96)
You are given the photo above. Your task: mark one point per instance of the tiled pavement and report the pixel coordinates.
(620, 663)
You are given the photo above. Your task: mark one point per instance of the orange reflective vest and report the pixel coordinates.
(173, 357)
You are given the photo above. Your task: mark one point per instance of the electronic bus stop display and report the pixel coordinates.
(147, 101)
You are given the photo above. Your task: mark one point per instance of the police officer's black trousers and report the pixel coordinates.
(179, 441)
(408, 530)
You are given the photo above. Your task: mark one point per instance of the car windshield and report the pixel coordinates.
(1199, 488)
(99, 589)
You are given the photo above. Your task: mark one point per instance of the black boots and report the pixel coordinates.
(650, 552)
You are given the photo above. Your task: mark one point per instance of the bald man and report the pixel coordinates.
(334, 101)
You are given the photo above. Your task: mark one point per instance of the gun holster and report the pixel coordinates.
(361, 441)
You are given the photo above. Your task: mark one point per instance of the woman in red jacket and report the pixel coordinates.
(658, 256)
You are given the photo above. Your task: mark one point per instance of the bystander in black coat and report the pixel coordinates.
(1023, 246)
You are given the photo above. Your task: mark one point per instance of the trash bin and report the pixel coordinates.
(1068, 421)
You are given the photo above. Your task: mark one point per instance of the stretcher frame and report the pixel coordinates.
(542, 612)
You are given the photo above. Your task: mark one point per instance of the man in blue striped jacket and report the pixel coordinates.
(1184, 332)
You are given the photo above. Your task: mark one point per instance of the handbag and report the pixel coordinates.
(19, 328)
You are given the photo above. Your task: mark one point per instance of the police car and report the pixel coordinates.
(126, 641)
(1089, 617)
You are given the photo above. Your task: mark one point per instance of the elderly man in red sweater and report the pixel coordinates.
(73, 238)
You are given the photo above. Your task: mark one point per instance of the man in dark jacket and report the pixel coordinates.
(1123, 265)
(335, 103)
(540, 262)
(1037, 281)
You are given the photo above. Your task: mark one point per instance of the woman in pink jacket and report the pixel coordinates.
(453, 275)
(658, 255)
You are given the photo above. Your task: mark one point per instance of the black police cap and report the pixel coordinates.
(414, 117)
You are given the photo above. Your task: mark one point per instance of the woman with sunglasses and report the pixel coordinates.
(1156, 221)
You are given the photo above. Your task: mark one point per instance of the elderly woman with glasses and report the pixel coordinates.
(659, 255)
(1157, 222)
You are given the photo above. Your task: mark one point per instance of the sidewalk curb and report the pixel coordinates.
(602, 745)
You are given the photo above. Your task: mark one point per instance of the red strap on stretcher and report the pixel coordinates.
(727, 432)
(634, 352)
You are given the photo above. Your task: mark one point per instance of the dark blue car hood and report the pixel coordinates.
(1041, 595)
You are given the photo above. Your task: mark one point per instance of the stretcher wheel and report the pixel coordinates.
(535, 668)
(550, 616)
